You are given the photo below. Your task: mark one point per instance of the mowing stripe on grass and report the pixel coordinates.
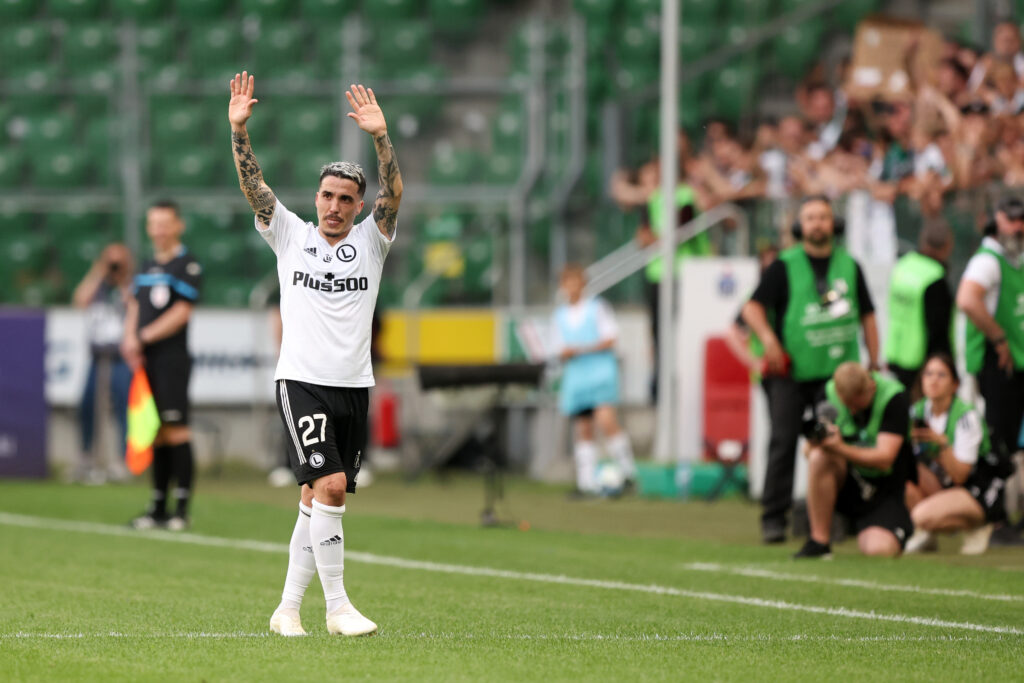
(402, 563)
(758, 573)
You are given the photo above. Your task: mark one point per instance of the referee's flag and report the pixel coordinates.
(143, 424)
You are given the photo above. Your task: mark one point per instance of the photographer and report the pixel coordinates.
(103, 293)
(960, 481)
(859, 464)
(991, 294)
(806, 311)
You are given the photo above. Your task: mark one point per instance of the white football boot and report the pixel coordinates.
(921, 542)
(976, 540)
(347, 621)
(286, 622)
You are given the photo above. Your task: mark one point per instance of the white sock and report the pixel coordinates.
(585, 453)
(301, 563)
(328, 542)
(622, 450)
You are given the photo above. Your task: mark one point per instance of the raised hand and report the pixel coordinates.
(240, 105)
(365, 111)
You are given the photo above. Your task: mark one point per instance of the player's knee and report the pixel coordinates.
(879, 543)
(330, 490)
(923, 516)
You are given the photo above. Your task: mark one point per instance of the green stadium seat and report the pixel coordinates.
(326, 9)
(190, 167)
(267, 9)
(732, 90)
(296, 78)
(88, 44)
(700, 11)
(177, 123)
(797, 48)
(263, 124)
(80, 224)
(222, 254)
(279, 47)
(638, 39)
(849, 12)
(26, 252)
(78, 252)
(74, 9)
(102, 144)
(35, 85)
(16, 221)
(595, 8)
(635, 76)
(452, 166)
(25, 43)
(312, 122)
(749, 12)
(329, 46)
(164, 77)
(18, 9)
(696, 41)
(455, 18)
(643, 7)
(214, 45)
(49, 131)
(509, 128)
(140, 9)
(93, 105)
(99, 78)
(37, 293)
(60, 168)
(12, 161)
(502, 168)
(400, 44)
(382, 12)
(226, 291)
(598, 39)
(157, 44)
(306, 164)
(205, 223)
(199, 10)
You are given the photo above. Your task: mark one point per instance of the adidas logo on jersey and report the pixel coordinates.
(346, 284)
(333, 540)
(310, 250)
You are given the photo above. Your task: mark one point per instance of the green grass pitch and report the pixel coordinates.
(623, 590)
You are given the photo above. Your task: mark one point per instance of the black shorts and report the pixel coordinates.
(990, 492)
(168, 375)
(326, 428)
(884, 508)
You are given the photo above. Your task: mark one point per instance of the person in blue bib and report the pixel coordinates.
(961, 481)
(585, 333)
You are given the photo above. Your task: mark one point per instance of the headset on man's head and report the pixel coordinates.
(838, 223)
(1013, 207)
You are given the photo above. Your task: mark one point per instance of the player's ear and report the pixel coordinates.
(361, 205)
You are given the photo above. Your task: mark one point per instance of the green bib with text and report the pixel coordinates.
(1009, 314)
(697, 246)
(867, 436)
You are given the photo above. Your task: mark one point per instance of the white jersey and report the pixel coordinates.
(327, 299)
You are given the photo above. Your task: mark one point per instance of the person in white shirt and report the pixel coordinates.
(585, 333)
(329, 276)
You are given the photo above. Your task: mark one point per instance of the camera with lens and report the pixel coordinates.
(817, 424)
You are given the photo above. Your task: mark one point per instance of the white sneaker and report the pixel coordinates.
(177, 523)
(347, 621)
(146, 522)
(976, 540)
(287, 622)
(921, 542)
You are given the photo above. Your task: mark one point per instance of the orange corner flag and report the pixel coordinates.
(143, 424)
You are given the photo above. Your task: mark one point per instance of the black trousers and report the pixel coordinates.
(1004, 403)
(906, 376)
(787, 402)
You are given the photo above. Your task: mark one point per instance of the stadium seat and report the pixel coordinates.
(382, 12)
(25, 252)
(48, 131)
(164, 77)
(77, 253)
(140, 9)
(60, 168)
(263, 125)
(87, 44)
(93, 105)
(329, 46)
(25, 43)
(326, 9)
(595, 8)
(700, 11)
(35, 85)
(18, 9)
(37, 293)
(797, 47)
(732, 90)
(16, 221)
(696, 41)
(199, 10)
(213, 46)
(278, 47)
(267, 9)
(74, 9)
(157, 44)
(226, 291)
(452, 166)
(849, 12)
(312, 122)
(749, 12)
(176, 123)
(502, 168)
(12, 161)
(399, 44)
(634, 76)
(102, 145)
(455, 18)
(306, 164)
(220, 254)
(509, 130)
(190, 167)
(639, 38)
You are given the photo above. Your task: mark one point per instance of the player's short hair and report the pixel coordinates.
(167, 204)
(852, 380)
(347, 171)
(936, 235)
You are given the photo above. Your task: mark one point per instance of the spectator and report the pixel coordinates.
(1005, 50)
(960, 481)
(859, 464)
(585, 335)
(784, 164)
(103, 293)
(806, 311)
(920, 305)
(826, 117)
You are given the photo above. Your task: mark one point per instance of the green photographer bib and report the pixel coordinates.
(1009, 314)
(866, 437)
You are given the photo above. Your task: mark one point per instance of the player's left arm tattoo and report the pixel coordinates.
(385, 208)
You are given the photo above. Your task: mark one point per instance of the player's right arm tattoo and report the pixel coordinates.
(250, 178)
(385, 208)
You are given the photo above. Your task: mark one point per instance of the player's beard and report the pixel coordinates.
(336, 231)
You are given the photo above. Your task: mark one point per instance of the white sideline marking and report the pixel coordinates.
(756, 572)
(370, 558)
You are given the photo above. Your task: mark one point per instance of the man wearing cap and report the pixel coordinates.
(920, 304)
(991, 294)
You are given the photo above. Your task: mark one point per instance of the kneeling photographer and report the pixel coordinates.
(859, 461)
(960, 480)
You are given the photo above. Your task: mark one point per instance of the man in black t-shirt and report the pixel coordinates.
(166, 289)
